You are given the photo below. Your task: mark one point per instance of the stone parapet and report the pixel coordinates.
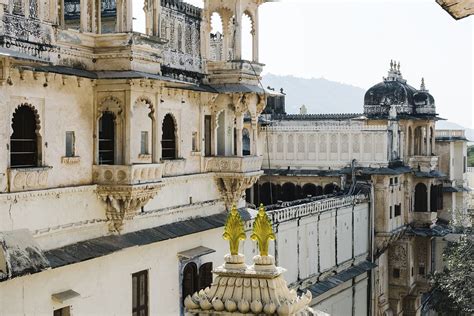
(234, 164)
(127, 175)
(28, 179)
(425, 163)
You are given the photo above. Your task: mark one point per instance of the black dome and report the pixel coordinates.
(423, 98)
(390, 92)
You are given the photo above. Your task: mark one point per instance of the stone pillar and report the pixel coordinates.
(255, 37)
(423, 141)
(124, 16)
(239, 127)
(253, 145)
(227, 36)
(428, 141)
(205, 33)
(411, 306)
(238, 32)
(126, 140)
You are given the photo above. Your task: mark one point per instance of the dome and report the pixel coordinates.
(390, 92)
(423, 98)
(394, 94)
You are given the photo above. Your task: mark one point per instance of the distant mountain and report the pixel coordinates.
(325, 96)
(318, 95)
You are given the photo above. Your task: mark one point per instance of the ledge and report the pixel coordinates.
(70, 160)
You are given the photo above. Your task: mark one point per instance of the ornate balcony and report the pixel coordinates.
(125, 189)
(424, 163)
(233, 175)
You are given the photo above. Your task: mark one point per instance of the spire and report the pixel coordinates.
(394, 74)
(422, 86)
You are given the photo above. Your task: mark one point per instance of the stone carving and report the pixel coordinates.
(234, 164)
(232, 187)
(28, 179)
(134, 174)
(398, 256)
(123, 202)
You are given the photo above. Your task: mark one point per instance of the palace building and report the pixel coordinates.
(123, 154)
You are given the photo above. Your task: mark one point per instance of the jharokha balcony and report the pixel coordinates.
(125, 189)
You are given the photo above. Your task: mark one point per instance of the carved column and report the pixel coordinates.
(253, 145)
(428, 141)
(205, 33)
(239, 128)
(238, 32)
(255, 37)
(124, 16)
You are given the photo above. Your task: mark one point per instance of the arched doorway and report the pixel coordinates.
(421, 198)
(205, 275)
(168, 140)
(288, 192)
(310, 189)
(329, 188)
(107, 139)
(245, 142)
(24, 142)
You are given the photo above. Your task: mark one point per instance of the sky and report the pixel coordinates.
(353, 41)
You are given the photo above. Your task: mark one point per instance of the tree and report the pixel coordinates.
(453, 288)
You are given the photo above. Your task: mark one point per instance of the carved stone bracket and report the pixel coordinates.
(124, 202)
(233, 186)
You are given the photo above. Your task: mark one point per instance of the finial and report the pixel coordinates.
(422, 87)
(398, 67)
(234, 230)
(262, 231)
(391, 64)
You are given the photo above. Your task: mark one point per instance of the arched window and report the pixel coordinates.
(246, 142)
(421, 196)
(24, 141)
(205, 275)
(288, 192)
(107, 139)
(190, 279)
(168, 141)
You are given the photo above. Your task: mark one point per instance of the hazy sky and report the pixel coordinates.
(353, 41)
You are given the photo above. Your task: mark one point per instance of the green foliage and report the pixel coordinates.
(470, 156)
(453, 288)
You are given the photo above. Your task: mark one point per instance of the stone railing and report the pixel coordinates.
(470, 169)
(426, 163)
(28, 179)
(234, 164)
(425, 110)
(297, 211)
(127, 175)
(241, 65)
(324, 127)
(449, 133)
